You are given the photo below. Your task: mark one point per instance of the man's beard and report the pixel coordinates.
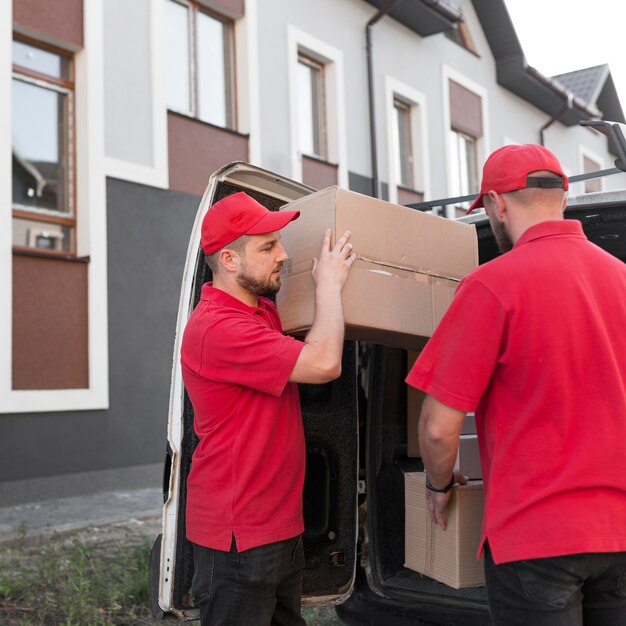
(503, 239)
(256, 286)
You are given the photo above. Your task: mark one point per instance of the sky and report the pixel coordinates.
(559, 36)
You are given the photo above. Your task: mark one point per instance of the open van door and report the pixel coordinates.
(331, 422)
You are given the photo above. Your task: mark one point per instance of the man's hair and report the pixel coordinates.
(530, 195)
(239, 246)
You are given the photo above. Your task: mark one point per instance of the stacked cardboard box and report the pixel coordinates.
(468, 457)
(447, 556)
(408, 266)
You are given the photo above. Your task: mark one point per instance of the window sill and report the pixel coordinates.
(205, 123)
(49, 254)
(319, 159)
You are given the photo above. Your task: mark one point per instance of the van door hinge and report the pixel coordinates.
(361, 487)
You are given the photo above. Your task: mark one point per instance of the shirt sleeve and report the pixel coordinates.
(458, 361)
(242, 350)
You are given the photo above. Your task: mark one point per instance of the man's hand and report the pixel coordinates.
(332, 267)
(437, 502)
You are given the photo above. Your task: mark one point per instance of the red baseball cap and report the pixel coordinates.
(507, 169)
(237, 215)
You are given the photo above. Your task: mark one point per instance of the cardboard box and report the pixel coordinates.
(447, 556)
(468, 457)
(408, 266)
(414, 399)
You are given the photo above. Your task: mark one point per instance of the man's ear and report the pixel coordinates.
(229, 260)
(499, 202)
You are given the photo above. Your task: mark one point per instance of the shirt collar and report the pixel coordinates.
(217, 296)
(552, 228)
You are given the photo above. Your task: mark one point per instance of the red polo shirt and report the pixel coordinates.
(535, 343)
(247, 471)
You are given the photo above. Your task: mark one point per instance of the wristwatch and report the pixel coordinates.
(437, 489)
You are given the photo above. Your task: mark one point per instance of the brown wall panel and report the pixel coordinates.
(408, 196)
(59, 19)
(50, 342)
(318, 174)
(197, 149)
(465, 110)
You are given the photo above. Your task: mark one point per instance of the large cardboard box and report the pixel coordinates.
(408, 266)
(447, 556)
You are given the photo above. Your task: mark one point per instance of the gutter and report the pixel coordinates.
(570, 100)
(560, 90)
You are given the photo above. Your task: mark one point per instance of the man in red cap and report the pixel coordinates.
(244, 491)
(534, 343)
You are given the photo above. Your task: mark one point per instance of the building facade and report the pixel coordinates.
(113, 114)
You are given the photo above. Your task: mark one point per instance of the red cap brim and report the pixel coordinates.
(478, 202)
(273, 221)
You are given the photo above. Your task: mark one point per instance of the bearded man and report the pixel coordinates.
(244, 491)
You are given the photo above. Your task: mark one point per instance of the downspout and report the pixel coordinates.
(570, 101)
(566, 107)
(370, 88)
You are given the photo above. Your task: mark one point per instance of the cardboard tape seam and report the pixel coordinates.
(406, 268)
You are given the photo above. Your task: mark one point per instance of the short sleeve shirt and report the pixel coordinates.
(534, 343)
(247, 471)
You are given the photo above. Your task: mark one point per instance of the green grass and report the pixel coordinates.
(60, 580)
(71, 584)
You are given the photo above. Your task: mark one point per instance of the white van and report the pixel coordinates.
(356, 442)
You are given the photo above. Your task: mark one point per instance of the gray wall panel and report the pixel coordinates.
(148, 232)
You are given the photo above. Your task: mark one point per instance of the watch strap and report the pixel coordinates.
(445, 489)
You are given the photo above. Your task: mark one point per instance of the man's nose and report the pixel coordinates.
(282, 254)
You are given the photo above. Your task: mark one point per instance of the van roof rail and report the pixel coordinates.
(613, 130)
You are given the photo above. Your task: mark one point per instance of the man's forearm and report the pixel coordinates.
(439, 458)
(327, 331)
(439, 428)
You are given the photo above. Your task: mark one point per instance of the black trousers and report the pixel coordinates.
(258, 587)
(574, 590)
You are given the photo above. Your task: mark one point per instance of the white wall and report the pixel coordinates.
(422, 64)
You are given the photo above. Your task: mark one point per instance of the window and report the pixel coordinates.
(466, 131)
(461, 34)
(199, 63)
(311, 114)
(589, 166)
(404, 150)
(43, 147)
(317, 111)
(463, 166)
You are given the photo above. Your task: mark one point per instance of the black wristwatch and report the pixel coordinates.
(444, 489)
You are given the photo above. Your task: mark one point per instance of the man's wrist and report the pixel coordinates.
(445, 489)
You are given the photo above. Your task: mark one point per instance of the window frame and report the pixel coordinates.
(230, 69)
(482, 143)
(318, 106)
(404, 158)
(589, 184)
(335, 102)
(472, 176)
(420, 168)
(66, 86)
(90, 200)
